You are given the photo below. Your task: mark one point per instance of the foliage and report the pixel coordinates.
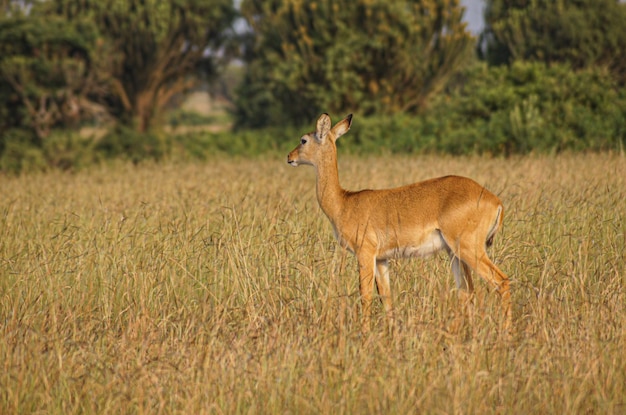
(525, 108)
(46, 70)
(66, 58)
(581, 33)
(67, 62)
(62, 150)
(528, 107)
(158, 48)
(531, 107)
(182, 117)
(246, 143)
(127, 143)
(59, 63)
(367, 56)
(19, 153)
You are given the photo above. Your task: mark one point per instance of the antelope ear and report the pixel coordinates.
(323, 127)
(342, 127)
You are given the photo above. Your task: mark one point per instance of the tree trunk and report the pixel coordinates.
(144, 110)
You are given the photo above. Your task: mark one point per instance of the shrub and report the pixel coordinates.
(531, 107)
(20, 152)
(67, 150)
(525, 108)
(126, 143)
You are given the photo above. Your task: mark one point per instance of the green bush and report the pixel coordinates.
(67, 150)
(127, 143)
(530, 107)
(188, 118)
(525, 108)
(20, 153)
(248, 143)
(64, 150)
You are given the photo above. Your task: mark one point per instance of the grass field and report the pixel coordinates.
(217, 288)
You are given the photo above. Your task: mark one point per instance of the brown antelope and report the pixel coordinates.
(452, 213)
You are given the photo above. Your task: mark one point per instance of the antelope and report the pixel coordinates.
(450, 213)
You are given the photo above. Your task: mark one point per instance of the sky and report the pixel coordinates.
(473, 15)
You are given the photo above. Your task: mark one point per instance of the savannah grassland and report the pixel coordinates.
(217, 288)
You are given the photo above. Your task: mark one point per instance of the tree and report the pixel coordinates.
(581, 33)
(65, 57)
(45, 70)
(368, 56)
(158, 48)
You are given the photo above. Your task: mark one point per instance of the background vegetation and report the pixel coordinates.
(581, 33)
(369, 57)
(218, 288)
(86, 81)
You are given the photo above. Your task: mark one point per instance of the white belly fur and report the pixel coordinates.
(433, 243)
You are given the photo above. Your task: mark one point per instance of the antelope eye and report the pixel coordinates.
(303, 141)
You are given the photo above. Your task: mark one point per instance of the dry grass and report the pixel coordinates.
(218, 288)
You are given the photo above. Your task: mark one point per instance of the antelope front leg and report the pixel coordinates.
(384, 288)
(366, 288)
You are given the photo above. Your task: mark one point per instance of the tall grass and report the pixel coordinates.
(218, 288)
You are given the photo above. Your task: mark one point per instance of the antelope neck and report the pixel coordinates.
(330, 194)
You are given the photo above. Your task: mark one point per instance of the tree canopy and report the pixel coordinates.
(160, 46)
(582, 33)
(405, 67)
(368, 56)
(46, 68)
(137, 54)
